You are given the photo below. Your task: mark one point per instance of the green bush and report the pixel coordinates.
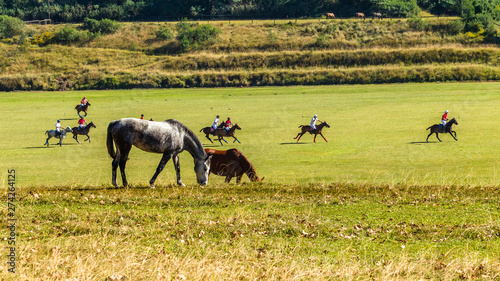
(164, 34)
(68, 35)
(193, 38)
(105, 26)
(10, 27)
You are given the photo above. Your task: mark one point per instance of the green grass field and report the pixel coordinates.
(375, 202)
(377, 133)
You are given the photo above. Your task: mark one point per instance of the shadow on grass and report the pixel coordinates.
(422, 142)
(284, 143)
(68, 119)
(50, 145)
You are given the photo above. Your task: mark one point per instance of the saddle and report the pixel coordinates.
(442, 128)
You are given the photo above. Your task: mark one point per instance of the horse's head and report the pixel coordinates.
(453, 121)
(236, 127)
(88, 103)
(91, 124)
(202, 169)
(326, 124)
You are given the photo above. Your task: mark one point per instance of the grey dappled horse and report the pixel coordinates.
(169, 137)
(61, 136)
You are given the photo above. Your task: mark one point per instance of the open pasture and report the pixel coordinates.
(377, 133)
(375, 202)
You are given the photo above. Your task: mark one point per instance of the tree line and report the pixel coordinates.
(127, 10)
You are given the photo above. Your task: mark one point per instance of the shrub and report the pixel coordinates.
(164, 34)
(43, 39)
(192, 38)
(10, 27)
(105, 26)
(68, 35)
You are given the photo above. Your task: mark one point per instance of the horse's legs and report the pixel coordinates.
(228, 178)
(209, 138)
(124, 150)
(451, 133)
(438, 137)
(88, 138)
(238, 178)
(299, 136)
(76, 138)
(315, 135)
(114, 166)
(161, 165)
(177, 166)
(47, 141)
(323, 137)
(235, 139)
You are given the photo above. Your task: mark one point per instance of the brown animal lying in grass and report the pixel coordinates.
(231, 163)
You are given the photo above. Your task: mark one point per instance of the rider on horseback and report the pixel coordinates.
(227, 124)
(215, 124)
(83, 102)
(313, 123)
(81, 123)
(444, 119)
(58, 128)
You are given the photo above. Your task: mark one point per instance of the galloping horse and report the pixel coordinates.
(82, 131)
(61, 136)
(221, 133)
(82, 108)
(169, 137)
(208, 131)
(437, 128)
(330, 15)
(307, 128)
(231, 163)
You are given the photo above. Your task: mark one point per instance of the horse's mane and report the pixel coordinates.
(194, 143)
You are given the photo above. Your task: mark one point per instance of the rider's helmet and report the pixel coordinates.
(58, 120)
(446, 111)
(218, 116)
(315, 115)
(228, 118)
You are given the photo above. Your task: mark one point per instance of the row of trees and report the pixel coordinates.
(77, 10)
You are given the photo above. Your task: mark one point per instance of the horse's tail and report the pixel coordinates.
(202, 129)
(46, 132)
(429, 127)
(109, 141)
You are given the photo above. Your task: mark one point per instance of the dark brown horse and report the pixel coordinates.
(210, 131)
(82, 131)
(307, 129)
(221, 133)
(83, 108)
(437, 128)
(231, 163)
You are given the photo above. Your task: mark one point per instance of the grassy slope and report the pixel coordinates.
(122, 56)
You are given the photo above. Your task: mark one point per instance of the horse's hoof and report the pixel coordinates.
(152, 186)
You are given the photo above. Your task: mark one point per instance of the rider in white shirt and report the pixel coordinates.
(313, 122)
(58, 127)
(216, 123)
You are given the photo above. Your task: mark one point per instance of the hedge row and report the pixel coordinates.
(88, 81)
(334, 58)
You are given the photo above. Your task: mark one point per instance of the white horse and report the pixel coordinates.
(169, 138)
(61, 136)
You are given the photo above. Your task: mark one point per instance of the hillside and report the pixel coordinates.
(255, 53)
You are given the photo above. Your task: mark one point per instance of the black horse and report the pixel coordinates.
(83, 108)
(82, 131)
(437, 128)
(211, 131)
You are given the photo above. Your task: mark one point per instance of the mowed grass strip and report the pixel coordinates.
(377, 133)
